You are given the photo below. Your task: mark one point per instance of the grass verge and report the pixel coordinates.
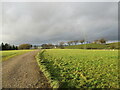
(4, 55)
(53, 83)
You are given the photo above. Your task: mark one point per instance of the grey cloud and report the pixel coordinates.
(37, 23)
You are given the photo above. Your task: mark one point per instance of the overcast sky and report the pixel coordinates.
(49, 22)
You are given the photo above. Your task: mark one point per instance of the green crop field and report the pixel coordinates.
(10, 53)
(76, 68)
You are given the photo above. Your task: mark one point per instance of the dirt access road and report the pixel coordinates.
(23, 72)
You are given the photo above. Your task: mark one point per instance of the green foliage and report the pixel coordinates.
(25, 46)
(80, 68)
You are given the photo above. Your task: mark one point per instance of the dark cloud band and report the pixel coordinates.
(52, 22)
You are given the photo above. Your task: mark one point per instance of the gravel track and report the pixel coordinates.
(23, 72)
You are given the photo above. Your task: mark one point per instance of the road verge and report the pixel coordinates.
(53, 83)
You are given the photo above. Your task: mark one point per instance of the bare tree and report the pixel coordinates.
(47, 46)
(62, 45)
(76, 41)
(82, 41)
(96, 41)
(71, 42)
(68, 43)
(102, 41)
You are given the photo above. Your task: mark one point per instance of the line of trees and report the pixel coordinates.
(100, 41)
(61, 45)
(7, 46)
(75, 42)
(48, 46)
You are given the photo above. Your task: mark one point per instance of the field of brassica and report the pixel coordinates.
(75, 68)
(4, 55)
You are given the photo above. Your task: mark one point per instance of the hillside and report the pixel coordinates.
(94, 46)
(115, 45)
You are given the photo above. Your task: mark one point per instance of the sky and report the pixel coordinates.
(53, 22)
